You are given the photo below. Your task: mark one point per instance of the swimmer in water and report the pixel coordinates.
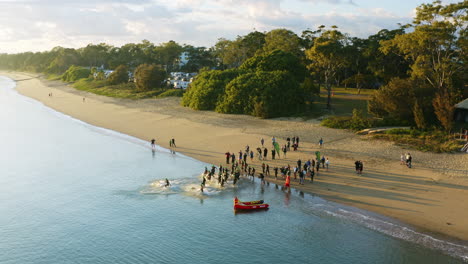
(167, 183)
(203, 181)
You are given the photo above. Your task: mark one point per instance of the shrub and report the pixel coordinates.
(276, 60)
(148, 77)
(75, 73)
(263, 94)
(358, 121)
(340, 122)
(208, 89)
(119, 75)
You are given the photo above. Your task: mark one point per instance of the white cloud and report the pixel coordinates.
(41, 25)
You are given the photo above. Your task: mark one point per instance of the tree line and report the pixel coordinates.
(418, 69)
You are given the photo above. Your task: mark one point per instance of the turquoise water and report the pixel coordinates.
(74, 193)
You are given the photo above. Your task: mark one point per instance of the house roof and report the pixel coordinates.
(463, 104)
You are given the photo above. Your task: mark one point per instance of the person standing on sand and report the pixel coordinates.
(402, 159)
(259, 153)
(327, 163)
(297, 141)
(356, 164)
(228, 155)
(233, 158)
(284, 151)
(173, 142)
(267, 170)
(263, 167)
(153, 143)
(265, 153)
(409, 159)
(262, 141)
(276, 172)
(273, 141)
(273, 153)
(251, 155)
(361, 167)
(320, 142)
(312, 174)
(323, 162)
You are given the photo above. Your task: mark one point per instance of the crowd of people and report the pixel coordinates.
(300, 172)
(238, 165)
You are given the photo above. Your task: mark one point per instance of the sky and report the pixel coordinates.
(38, 25)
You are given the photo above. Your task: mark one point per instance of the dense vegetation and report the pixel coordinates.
(418, 70)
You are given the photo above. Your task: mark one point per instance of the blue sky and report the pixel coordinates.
(37, 25)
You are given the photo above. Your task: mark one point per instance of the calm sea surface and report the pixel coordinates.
(74, 193)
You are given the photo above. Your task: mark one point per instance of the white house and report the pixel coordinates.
(180, 80)
(181, 84)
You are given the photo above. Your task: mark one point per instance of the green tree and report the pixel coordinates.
(74, 73)
(276, 60)
(326, 57)
(119, 75)
(388, 65)
(283, 39)
(263, 94)
(208, 89)
(63, 59)
(394, 100)
(95, 55)
(148, 77)
(168, 54)
(199, 57)
(436, 50)
(418, 114)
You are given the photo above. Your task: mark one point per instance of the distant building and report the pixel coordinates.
(181, 84)
(180, 80)
(461, 111)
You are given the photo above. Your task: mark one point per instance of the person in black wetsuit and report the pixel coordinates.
(203, 181)
(167, 183)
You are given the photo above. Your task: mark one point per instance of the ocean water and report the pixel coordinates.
(74, 193)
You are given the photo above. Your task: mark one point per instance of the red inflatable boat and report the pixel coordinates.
(252, 205)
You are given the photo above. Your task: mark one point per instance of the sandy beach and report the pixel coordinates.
(431, 196)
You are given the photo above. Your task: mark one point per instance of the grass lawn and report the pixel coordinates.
(342, 104)
(351, 91)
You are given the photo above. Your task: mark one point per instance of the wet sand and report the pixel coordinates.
(431, 196)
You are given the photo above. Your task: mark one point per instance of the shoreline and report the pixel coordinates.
(425, 198)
